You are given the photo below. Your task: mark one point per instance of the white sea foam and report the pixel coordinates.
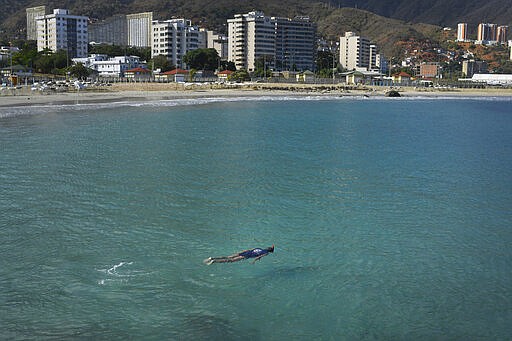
(6, 112)
(113, 270)
(119, 273)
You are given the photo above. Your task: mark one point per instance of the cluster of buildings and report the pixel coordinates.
(282, 44)
(487, 34)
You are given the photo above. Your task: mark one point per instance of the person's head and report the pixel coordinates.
(271, 249)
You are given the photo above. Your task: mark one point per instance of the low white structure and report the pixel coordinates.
(110, 67)
(492, 79)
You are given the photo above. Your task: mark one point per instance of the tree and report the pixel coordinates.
(202, 59)
(162, 63)
(261, 66)
(239, 76)
(324, 60)
(61, 59)
(79, 71)
(225, 65)
(48, 62)
(43, 62)
(504, 67)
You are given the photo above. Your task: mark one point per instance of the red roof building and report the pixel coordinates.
(224, 74)
(137, 70)
(175, 72)
(402, 77)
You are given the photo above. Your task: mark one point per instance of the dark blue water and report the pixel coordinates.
(391, 220)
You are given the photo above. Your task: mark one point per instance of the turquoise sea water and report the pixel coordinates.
(391, 220)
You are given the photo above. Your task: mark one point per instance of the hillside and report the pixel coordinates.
(331, 21)
(372, 18)
(437, 12)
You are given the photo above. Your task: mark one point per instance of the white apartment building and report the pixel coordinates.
(62, 31)
(373, 59)
(139, 29)
(173, 39)
(251, 36)
(354, 52)
(283, 43)
(32, 14)
(377, 60)
(110, 67)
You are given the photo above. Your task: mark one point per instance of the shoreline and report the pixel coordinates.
(144, 92)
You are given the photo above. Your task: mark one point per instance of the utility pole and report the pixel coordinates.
(264, 68)
(334, 46)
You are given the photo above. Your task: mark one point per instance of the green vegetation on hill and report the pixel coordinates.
(332, 22)
(333, 17)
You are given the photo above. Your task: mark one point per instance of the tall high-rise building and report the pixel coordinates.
(113, 30)
(139, 29)
(62, 31)
(32, 14)
(487, 33)
(282, 43)
(354, 52)
(502, 34)
(462, 32)
(173, 39)
(374, 52)
(295, 43)
(251, 36)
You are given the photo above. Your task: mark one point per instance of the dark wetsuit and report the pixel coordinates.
(253, 253)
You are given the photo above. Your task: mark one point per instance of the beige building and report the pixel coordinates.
(282, 43)
(173, 39)
(139, 29)
(32, 14)
(219, 42)
(251, 36)
(63, 31)
(462, 32)
(354, 52)
(501, 35)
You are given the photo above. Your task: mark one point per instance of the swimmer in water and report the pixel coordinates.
(256, 253)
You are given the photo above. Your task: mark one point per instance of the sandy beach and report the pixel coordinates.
(122, 92)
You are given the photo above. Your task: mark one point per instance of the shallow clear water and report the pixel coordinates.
(391, 220)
